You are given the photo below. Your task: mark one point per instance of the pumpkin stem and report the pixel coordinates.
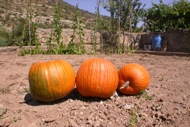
(125, 85)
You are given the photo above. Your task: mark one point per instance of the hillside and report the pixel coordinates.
(14, 11)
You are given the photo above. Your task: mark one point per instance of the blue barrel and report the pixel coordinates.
(156, 42)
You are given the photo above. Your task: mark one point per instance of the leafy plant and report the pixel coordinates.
(4, 90)
(4, 37)
(78, 34)
(16, 118)
(3, 111)
(162, 17)
(27, 90)
(55, 44)
(144, 94)
(57, 24)
(133, 119)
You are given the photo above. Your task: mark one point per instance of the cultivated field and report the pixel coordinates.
(166, 102)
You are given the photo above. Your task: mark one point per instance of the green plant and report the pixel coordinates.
(97, 77)
(27, 90)
(57, 24)
(16, 118)
(55, 36)
(78, 34)
(130, 50)
(120, 48)
(161, 17)
(3, 112)
(133, 119)
(4, 90)
(144, 94)
(51, 80)
(94, 42)
(4, 37)
(98, 25)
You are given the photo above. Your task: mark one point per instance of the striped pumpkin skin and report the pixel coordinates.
(137, 77)
(51, 80)
(97, 77)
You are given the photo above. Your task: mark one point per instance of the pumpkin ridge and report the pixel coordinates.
(60, 78)
(48, 78)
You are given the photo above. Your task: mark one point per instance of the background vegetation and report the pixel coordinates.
(18, 25)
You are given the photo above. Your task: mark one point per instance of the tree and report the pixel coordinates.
(162, 16)
(125, 13)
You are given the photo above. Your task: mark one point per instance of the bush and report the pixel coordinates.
(4, 37)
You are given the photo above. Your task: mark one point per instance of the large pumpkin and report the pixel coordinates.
(97, 77)
(133, 78)
(51, 80)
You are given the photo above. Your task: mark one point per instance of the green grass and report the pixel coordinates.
(133, 119)
(144, 94)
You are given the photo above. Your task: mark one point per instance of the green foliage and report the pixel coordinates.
(78, 34)
(55, 44)
(3, 111)
(34, 51)
(162, 17)
(98, 25)
(4, 37)
(144, 94)
(4, 90)
(57, 24)
(124, 13)
(133, 119)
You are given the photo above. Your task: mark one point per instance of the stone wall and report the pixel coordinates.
(174, 40)
(178, 40)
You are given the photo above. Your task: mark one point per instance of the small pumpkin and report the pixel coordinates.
(133, 78)
(51, 80)
(97, 77)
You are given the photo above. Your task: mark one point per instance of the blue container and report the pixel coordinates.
(156, 42)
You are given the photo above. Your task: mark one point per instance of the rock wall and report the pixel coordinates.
(173, 40)
(178, 40)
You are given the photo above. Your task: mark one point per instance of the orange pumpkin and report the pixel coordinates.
(133, 78)
(51, 80)
(97, 77)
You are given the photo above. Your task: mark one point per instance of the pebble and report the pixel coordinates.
(128, 106)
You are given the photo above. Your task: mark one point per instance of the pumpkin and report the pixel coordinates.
(133, 78)
(97, 77)
(51, 80)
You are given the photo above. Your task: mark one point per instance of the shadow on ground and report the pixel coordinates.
(74, 95)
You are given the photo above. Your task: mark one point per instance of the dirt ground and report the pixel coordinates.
(166, 102)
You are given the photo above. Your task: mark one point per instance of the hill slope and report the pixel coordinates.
(14, 11)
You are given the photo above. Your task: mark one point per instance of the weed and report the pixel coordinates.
(3, 111)
(130, 50)
(27, 90)
(78, 33)
(144, 94)
(16, 118)
(133, 120)
(4, 90)
(57, 24)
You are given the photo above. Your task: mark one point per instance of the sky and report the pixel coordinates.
(89, 5)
